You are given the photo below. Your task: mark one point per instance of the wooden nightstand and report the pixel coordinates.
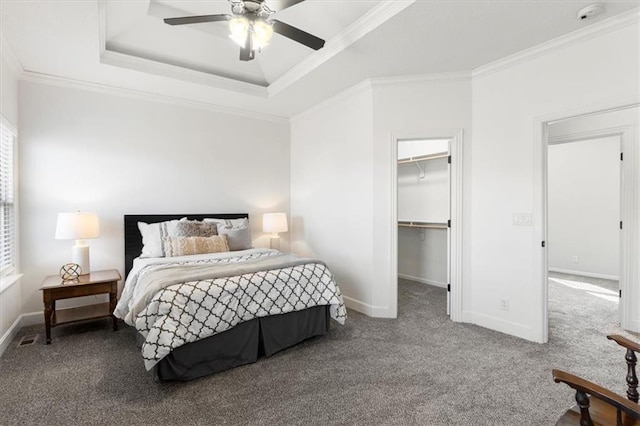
(97, 282)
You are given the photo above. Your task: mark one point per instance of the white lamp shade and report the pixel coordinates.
(274, 222)
(77, 226)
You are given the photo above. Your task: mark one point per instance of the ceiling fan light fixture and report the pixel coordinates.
(251, 26)
(261, 31)
(239, 28)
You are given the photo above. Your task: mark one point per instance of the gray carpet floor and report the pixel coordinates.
(419, 369)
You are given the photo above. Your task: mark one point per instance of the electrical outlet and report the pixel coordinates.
(504, 304)
(575, 259)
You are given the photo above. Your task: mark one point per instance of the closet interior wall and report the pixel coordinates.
(423, 211)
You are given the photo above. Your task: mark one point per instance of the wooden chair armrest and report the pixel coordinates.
(623, 341)
(597, 391)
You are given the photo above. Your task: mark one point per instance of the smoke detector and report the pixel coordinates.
(590, 11)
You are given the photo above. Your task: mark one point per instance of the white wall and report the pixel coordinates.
(331, 192)
(506, 103)
(422, 255)
(584, 207)
(424, 199)
(341, 157)
(10, 301)
(9, 90)
(432, 107)
(118, 155)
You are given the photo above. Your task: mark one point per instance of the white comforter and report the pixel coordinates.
(177, 300)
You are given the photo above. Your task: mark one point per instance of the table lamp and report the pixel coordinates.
(274, 223)
(78, 226)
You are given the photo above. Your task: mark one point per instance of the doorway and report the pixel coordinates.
(583, 204)
(450, 227)
(424, 192)
(621, 122)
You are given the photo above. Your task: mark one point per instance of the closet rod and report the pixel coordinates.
(434, 225)
(434, 156)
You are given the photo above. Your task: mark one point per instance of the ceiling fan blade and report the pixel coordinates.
(278, 5)
(297, 34)
(196, 19)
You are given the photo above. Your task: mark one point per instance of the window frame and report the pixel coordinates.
(10, 273)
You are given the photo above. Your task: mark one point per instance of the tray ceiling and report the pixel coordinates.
(124, 47)
(133, 35)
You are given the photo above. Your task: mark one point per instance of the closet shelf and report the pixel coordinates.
(434, 225)
(433, 156)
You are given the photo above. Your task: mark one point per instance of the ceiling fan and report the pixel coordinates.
(251, 27)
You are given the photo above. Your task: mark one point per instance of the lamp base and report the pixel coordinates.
(275, 243)
(80, 256)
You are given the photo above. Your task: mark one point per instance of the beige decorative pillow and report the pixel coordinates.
(185, 246)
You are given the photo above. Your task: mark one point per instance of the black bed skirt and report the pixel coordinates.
(242, 344)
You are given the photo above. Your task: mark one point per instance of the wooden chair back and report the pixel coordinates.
(597, 405)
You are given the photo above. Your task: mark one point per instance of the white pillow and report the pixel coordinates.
(153, 236)
(237, 231)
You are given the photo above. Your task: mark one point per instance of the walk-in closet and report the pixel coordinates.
(424, 211)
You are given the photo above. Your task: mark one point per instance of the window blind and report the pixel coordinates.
(7, 205)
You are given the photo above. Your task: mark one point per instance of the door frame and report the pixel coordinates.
(629, 249)
(455, 198)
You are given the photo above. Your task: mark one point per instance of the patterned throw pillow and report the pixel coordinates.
(195, 228)
(186, 246)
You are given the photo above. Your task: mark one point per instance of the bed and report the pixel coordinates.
(300, 298)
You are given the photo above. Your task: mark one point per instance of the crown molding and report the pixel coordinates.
(40, 78)
(592, 31)
(364, 25)
(379, 82)
(405, 80)
(135, 63)
(6, 52)
(351, 91)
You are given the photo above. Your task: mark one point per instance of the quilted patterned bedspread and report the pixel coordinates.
(170, 311)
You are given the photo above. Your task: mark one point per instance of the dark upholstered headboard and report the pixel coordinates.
(133, 238)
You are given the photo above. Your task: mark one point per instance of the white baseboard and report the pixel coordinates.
(422, 280)
(634, 326)
(8, 336)
(22, 321)
(466, 317)
(367, 309)
(585, 274)
(32, 318)
(508, 327)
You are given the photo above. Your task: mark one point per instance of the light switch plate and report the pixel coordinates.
(522, 219)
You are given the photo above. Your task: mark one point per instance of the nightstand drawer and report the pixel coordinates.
(84, 290)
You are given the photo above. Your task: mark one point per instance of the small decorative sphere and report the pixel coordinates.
(70, 271)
